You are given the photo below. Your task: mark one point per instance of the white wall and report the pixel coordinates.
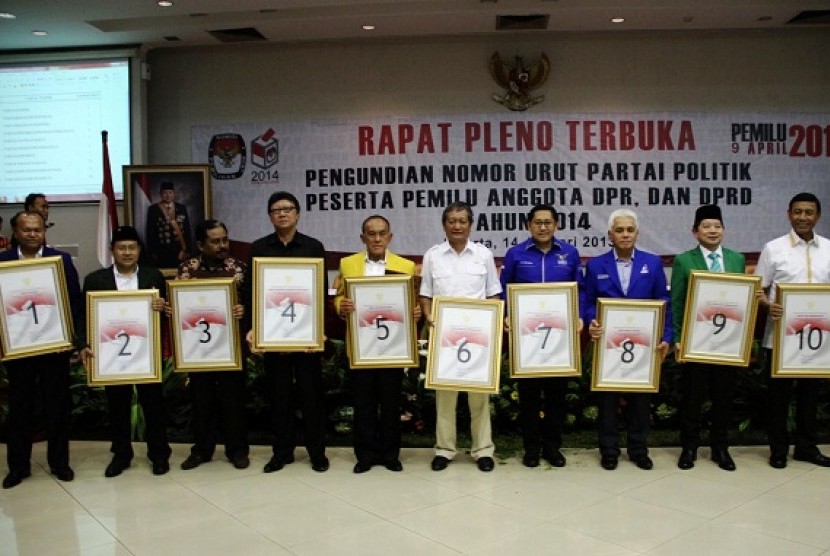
(620, 72)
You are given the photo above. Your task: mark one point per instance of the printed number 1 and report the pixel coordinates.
(32, 307)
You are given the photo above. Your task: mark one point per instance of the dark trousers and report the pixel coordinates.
(218, 403)
(546, 395)
(806, 406)
(637, 410)
(119, 407)
(41, 375)
(719, 380)
(282, 371)
(377, 414)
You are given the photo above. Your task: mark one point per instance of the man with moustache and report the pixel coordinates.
(542, 258)
(627, 273)
(377, 408)
(720, 379)
(125, 274)
(283, 369)
(458, 267)
(46, 375)
(218, 396)
(799, 257)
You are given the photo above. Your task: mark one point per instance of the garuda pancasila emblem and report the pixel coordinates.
(519, 81)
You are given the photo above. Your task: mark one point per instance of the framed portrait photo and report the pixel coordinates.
(205, 332)
(719, 321)
(123, 332)
(288, 304)
(381, 331)
(544, 335)
(465, 347)
(625, 357)
(164, 204)
(35, 317)
(801, 345)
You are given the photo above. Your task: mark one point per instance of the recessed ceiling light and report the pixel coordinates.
(7, 15)
(40, 33)
(617, 19)
(164, 3)
(368, 27)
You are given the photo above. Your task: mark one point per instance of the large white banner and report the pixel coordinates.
(586, 165)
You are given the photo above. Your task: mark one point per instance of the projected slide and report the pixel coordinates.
(51, 118)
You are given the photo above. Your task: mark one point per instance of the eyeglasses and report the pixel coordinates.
(543, 223)
(282, 210)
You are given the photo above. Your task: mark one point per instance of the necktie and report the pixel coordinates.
(715, 266)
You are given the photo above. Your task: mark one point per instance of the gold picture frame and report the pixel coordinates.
(804, 324)
(205, 332)
(288, 305)
(544, 335)
(618, 364)
(459, 324)
(142, 184)
(26, 285)
(381, 301)
(719, 321)
(124, 334)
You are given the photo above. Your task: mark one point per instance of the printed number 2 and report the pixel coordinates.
(123, 352)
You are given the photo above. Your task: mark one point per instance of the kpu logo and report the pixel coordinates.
(226, 155)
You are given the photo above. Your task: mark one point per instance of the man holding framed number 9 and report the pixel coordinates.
(712, 256)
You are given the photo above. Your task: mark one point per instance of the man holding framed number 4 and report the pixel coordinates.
(712, 256)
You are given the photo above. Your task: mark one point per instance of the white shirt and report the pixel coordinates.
(374, 268)
(791, 260)
(471, 273)
(708, 260)
(125, 282)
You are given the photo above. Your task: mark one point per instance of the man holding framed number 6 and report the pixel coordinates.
(799, 257)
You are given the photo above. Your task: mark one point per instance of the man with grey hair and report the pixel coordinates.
(628, 273)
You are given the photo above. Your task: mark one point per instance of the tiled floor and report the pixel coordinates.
(580, 509)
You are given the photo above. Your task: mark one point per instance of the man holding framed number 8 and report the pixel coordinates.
(712, 256)
(799, 257)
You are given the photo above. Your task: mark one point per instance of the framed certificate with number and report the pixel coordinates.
(625, 357)
(381, 330)
(288, 304)
(205, 332)
(544, 335)
(35, 317)
(123, 333)
(465, 347)
(720, 318)
(801, 337)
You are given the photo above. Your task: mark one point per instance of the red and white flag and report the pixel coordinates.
(107, 213)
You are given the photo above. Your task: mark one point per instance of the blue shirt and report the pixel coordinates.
(527, 264)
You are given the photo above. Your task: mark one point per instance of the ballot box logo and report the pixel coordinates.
(226, 156)
(265, 150)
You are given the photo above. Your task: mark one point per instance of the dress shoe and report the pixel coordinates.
(160, 467)
(529, 460)
(320, 465)
(193, 461)
(485, 463)
(555, 458)
(64, 474)
(723, 459)
(687, 459)
(115, 468)
(439, 463)
(276, 463)
(609, 463)
(643, 462)
(240, 462)
(14, 478)
(778, 461)
(361, 467)
(816, 458)
(393, 465)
